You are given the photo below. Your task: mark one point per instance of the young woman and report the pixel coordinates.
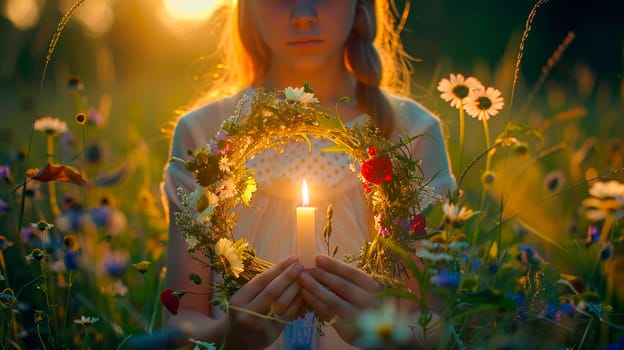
(342, 48)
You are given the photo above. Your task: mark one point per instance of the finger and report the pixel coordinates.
(274, 290)
(322, 299)
(283, 301)
(354, 294)
(323, 312)
(292, 312)
(348, 272)
(256, 285)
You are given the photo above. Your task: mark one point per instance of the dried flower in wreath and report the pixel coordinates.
(393, 184)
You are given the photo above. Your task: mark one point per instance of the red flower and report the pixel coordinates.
(372, 151)
(170, 300)
(377, 170)
(418, 226)
(367, 188)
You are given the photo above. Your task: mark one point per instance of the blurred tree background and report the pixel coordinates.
(140, 64)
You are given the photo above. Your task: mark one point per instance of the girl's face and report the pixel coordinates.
(304, 35)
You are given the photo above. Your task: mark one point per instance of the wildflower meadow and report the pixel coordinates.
(527, 253)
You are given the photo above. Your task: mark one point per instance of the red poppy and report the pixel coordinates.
(377, 170)
(372, 151)
(418, 226)
(170, 300)
(54, 172)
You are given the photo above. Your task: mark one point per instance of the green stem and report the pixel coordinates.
(51, 186)
(46, 292)
(40, 338)
(84, 340)
(476, 230)
(78, 101)
(70, 282)
(486, 131)
(462, 127)
(266, 317)
(3, 270)
(152, 320)
(606, 228)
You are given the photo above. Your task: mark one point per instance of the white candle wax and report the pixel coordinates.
(306, 235)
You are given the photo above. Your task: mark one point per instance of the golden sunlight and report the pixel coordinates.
(194, 10)
(22, 13)
(95, 17)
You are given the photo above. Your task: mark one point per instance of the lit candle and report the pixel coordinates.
(306, 238)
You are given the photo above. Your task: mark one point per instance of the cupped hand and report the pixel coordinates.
(339, 291)
(274, 291)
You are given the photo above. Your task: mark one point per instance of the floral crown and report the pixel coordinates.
(393, 184)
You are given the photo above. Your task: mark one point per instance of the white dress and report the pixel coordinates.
(270, 225)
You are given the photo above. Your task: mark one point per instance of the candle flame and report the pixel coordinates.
(305, 197)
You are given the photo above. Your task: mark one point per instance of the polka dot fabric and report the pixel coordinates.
(297, 162)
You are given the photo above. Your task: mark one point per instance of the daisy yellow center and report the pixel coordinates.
(226, 262)
(553, 183)
(484, 103)
(384, 330)
(461, 91)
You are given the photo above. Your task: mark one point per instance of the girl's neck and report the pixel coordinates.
(328, 86)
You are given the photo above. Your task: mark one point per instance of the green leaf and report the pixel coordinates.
(195, 278)
(307, 140)
(400, 294)
(539, 234)
(405, 256)
(330, 122)
(524, 130)
(341, 148)
(490, 297)
(307, 88)
(249, 189)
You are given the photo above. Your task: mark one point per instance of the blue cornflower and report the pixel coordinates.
(618, 345)
(446, 278)
(593, 234)
(5, 173)
(4, 207)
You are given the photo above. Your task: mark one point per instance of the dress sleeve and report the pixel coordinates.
(430, 147)
(175, 174)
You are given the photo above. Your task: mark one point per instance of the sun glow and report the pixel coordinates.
(193, 10)
(24, 14)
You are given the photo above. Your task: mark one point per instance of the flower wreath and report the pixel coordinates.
(393, 185)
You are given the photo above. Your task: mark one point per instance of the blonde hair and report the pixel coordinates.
(373, 53)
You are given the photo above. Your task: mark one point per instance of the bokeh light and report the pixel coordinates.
(193, 10)
(96, 17)
(23, 14)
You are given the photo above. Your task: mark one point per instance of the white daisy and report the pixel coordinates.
(202, 345)
(483, 104)
(299, 94)
(86, 321)
(607, 200)
(609, 189)
(49, 125)
(382, 327)
(191, 242)
(227, 189)
(204, 201)
(225, 164)
(455, 215)
(228, 255)
(456, 89)
(435, 257)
